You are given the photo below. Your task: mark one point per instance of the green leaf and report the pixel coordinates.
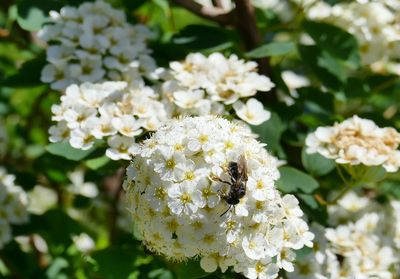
(308, 200)
(316, 164)
(115, 262)
(293, 180)
(28, 75)
(160, 273)
(335, 41)
(311, 56)
(56, 267)
(203, 37)
(357, 88)
(97, 163)
(191, 270)
(270, 132)
(32, 19)
(332, 65)
(374, 174)
(391, 188)
(64, 149)
(272, 49)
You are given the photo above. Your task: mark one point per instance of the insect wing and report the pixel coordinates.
(242, 168)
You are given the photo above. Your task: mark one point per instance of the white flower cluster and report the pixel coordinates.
(94, 43)
(13, 203)
(373, 22)
(364, 243)
(202, 85)
(177, 197)
(357, 141)
(110, 110)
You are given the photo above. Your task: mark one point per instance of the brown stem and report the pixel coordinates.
(246, 24)
(113, 185)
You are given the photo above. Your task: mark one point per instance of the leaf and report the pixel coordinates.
(56, 267)
(391, 188)
(115, 262)
(308, 200)
(191, 270)
(28, 75)
(335, 41)
(160, 273)
(332, 65)
(54, 225)
(293, 180)
(374, 174)
(32, 20)
(310, 55)
(270, 132)
(64, 149)
(272, 49)
(316, 164)
(200, 37)
(97, 163)
(357, 88)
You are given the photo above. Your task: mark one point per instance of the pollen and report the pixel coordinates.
(259, 268)
(229, 145)
(203, 138)
(160, 193)
(189, 175)
(179, 147)
(186, 198)
(209, 238)
(170, 164)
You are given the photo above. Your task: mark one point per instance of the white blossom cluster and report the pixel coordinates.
(357, 141)
(374, 23)
(176, 197)
(362, 244)
(109, 110)
(13, 203)
(202, 86)
(94, 43)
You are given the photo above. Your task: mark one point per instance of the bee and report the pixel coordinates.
(238, 174)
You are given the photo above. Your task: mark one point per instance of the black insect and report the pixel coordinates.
(238, 174)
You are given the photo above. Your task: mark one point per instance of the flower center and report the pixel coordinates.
(185, 198)
(170, 164)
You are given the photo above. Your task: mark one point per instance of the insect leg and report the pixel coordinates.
(225, 211)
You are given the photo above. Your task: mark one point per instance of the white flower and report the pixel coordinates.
(83, 242)
(253, 246)
(202, 85)
(177, 196)
(41, 199)
(120, 147)
(355, 248)
(357, 141)
(252, 112)
(13, 206)
(373, 23)
(79, 186)
(92, 43)
(109, 110)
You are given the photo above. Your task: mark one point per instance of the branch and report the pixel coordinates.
(216, 14)
(113, 185)
(246, 24)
